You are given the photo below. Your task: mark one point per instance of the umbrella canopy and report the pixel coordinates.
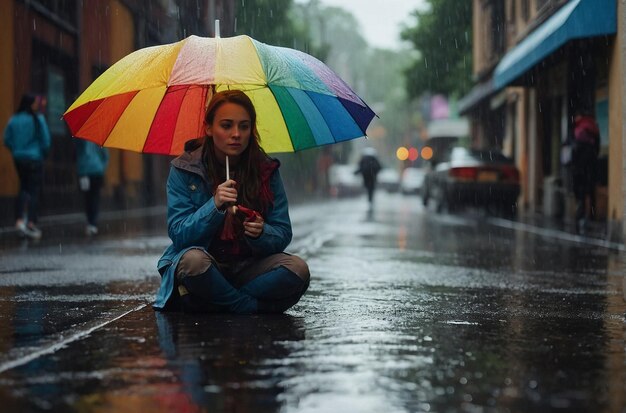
(153, 100)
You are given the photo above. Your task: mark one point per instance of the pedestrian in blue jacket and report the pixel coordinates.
(91, 162)
(28, 139)
(228, 221)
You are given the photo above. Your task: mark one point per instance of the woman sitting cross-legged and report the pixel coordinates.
(228, 233)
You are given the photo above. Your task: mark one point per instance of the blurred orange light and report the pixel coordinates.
(413, 154)
(402, 153)
(427, 152)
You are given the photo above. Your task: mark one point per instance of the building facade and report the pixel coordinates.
(56, 49)
(536, 63)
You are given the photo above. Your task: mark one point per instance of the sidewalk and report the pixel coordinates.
(595, 232)
(72, 226)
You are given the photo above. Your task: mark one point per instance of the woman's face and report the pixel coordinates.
(231, 130)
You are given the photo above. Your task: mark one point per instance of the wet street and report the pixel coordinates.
(408, 311)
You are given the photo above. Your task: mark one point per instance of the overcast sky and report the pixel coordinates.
(380, 19)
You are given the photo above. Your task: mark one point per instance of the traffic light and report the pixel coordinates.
(403, 153)
(427, 152)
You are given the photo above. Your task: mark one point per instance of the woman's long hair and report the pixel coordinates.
(250, 161)
(26, 105)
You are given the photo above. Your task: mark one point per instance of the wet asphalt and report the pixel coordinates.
(408, 311)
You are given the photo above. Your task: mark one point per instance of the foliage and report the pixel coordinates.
(269, 21)
(442, 36)
(374, 74)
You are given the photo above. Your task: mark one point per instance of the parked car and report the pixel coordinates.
(480, 178)
(412, 180)
(389, 180)
(343, 182)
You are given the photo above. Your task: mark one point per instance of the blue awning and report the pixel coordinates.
(478, 93)
(575, 20)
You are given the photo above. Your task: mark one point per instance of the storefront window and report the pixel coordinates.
(56, 101)
(63, 10)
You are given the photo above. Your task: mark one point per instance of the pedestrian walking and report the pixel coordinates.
(228, 221)
(586, 147)
(369, 166)
(91, 162)
(28, 139)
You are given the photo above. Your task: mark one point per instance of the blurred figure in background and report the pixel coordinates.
(584, 161)
(369, 166)
(28, 139)
(92, 162)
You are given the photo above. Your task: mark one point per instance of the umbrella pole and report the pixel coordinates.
(217, 35)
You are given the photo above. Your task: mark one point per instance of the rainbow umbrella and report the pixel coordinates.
(153, 100)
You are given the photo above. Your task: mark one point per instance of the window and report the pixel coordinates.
(61, 11)
(56, 100)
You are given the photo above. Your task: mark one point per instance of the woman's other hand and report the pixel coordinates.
(254, 228)
(224, 194)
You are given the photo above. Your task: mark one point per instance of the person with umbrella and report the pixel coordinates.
(228, 235)
(228, 221)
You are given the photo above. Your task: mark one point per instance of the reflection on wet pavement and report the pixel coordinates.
(407, 312)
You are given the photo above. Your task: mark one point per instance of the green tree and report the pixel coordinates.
(442, 36)
(269, 21)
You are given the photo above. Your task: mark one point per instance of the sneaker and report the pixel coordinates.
(20, 227)
(91, 230)
(31, 231)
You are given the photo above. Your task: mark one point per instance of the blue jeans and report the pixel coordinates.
(269, 285)
(92, 199)
(30, 174)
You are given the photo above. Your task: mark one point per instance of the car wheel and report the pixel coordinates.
(508, 209)
(502, 209)
(451, 206)
(425, 197)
